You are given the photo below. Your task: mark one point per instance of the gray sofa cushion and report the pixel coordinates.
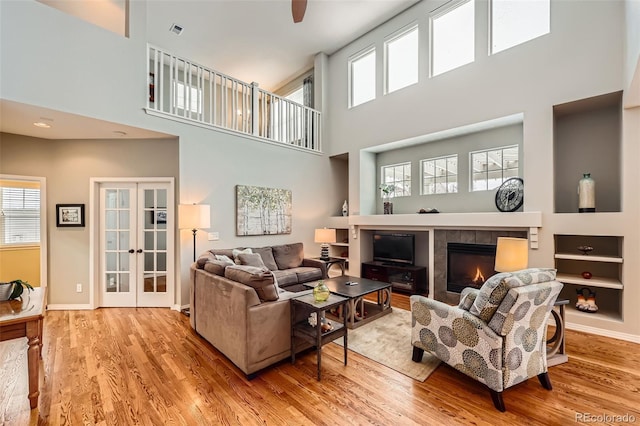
(286, 277)
(288, 256)
(306, 274)
(267, 257)
(260, 279)
(251, 259)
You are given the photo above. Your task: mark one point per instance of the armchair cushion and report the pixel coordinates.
(494, 290)
(467, 297)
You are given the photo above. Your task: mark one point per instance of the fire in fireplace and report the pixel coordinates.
(469, 265)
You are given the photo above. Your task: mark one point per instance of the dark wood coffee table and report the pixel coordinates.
(359, 310)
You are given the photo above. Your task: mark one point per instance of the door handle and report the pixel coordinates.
(139, 251)
(131, 250)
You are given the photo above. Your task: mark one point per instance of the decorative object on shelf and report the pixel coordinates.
(585, 249)
(321, 292)
(325, 326)
(510, 195)
(325, 236)
(429, 210)
(586, 300)
(387, 194)
(69, 215)
(194, 217)
(587, 275)
(512, 254)
(13, 289)
(345, 208)
(586, 194)
(262, 211)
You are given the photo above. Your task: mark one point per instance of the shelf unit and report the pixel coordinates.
(341, 247)
(605, 266)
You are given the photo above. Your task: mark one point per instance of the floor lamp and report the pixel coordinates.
(512, 254)
(194, 217)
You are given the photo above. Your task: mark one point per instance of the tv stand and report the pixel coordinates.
(404, 278)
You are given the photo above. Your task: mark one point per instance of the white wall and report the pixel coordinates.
(583, 56)
(76, 67)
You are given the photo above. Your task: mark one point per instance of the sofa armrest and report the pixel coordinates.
(316, 263)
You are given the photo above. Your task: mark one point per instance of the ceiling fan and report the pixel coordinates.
(298, 7)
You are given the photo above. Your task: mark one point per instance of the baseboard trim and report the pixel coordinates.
(606, 333)
(69, 307)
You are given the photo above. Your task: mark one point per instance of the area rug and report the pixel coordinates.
(387, 341)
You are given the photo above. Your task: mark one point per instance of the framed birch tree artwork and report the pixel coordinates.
(262, 211)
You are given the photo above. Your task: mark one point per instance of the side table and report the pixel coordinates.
(556, 353)
(334, 261)
(301, 308)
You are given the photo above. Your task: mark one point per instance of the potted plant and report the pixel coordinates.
(13, 289)
(387, 193)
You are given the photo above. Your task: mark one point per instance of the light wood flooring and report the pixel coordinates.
(146, 366)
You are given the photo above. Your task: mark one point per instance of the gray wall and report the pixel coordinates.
(68, 165)
(464, 200)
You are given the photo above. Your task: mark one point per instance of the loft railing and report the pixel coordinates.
(183, 89)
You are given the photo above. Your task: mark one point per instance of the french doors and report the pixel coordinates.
(136, 244)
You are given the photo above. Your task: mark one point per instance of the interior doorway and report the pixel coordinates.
(134, 243)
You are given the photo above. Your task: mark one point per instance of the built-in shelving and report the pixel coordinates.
(605, 266)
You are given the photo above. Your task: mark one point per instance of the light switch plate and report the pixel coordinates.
(214, 236)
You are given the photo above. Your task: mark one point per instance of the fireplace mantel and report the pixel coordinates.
(451, 220)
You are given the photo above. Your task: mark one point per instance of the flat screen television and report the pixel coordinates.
(394, 248)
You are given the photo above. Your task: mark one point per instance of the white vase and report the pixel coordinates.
(586, 194)
(345, 208)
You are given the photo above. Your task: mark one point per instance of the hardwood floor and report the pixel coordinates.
(146, 366)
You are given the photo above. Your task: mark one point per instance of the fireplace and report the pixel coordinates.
(469, 265)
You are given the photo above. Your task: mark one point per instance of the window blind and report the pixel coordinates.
(19, 216)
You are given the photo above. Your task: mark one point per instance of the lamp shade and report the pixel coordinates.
(194, 216)
(512, 254)
(325, 235)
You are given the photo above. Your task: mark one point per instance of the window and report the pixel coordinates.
(398, 175)
(492, 167)
(515, 22)
(20, 215)
(452, 38)
(401, 56)
(191, 97)
(362, 77)
(440, 175)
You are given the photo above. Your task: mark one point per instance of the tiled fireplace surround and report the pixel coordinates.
(469, 236)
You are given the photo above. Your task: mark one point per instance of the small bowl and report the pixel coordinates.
(585, 249)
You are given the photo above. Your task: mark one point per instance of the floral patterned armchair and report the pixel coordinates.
(496, 335)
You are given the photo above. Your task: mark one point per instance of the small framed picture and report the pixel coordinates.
(161, 216)
(69, 215)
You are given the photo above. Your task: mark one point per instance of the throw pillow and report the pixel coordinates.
(260, 279)
(267, 257)
(489, 297)
(225, 259)
(251, 259)
(288, 256)
(236, 252)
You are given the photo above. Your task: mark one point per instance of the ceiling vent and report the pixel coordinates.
(175, 28)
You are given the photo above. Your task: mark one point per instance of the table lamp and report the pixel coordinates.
(324, 236)
(194, 217)
(512, 254)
